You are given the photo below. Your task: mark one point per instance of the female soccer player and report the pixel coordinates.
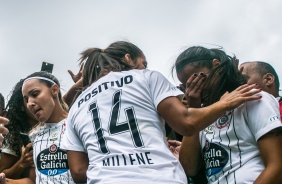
(244, 145)
(41, 91)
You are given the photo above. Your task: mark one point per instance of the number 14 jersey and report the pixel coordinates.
(115, 121)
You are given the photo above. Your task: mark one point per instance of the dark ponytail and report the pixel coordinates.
(99, 62)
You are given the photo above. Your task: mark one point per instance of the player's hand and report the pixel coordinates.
(240, 95)
(76, 77)
(26, 159)
(174, 146)
(2, 178)
(193, 90)
(3, 130)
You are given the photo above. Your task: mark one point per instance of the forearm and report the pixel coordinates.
(16, 171)
(78, 164)
(190, 154)
(20, 181)
(200, 118)
(269, 175)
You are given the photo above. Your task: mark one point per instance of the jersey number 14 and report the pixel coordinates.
(115, 127)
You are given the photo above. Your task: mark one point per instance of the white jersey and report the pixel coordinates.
(115, 121)
(230, 148)
(51, 165)
(8, 150)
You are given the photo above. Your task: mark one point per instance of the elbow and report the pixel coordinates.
(78, 176)
(191, 172)
(188, 130)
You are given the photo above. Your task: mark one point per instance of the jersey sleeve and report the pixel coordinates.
(160, 87)
(263, 115)
(8, 150)
(71, 140)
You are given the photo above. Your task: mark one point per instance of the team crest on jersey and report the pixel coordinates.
(53, 148)
(224, 120)
(52, 161)
(215, 158)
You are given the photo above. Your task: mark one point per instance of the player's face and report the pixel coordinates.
(252, 76)
(140, 63)
(28, 113)
(39, 99)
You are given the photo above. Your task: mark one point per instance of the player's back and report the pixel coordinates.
(117, 121)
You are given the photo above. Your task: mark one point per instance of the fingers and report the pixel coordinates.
(27, 149)
(251, 92)
(1, 140)
(174, 143)
(71, 73)
(2, 178)
(195, 83)
(246, 87)
(3, 131)
(4, 121)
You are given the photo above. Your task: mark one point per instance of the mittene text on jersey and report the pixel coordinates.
(104, 86)
(129, 159)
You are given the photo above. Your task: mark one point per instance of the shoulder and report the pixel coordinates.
(267, 103)
(265, 98)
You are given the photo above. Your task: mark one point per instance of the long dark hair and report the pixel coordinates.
(18, 118)
(17, 113)
(99, 62)
(222, 78)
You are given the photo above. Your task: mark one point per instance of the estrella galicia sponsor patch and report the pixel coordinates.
(224, 120)
(215, 158)
(52, 161)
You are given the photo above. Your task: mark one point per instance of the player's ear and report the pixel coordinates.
(128, 59)
(55, 90)
(268, 79)
(215, 62)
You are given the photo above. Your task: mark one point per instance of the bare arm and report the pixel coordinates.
(78, 163)
(190, 155)
(30, 180)
(14, 167)
(270, 146)
(190, 121)
(77, 79)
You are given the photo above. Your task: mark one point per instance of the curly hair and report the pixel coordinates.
(18, 118)
(17, 112)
